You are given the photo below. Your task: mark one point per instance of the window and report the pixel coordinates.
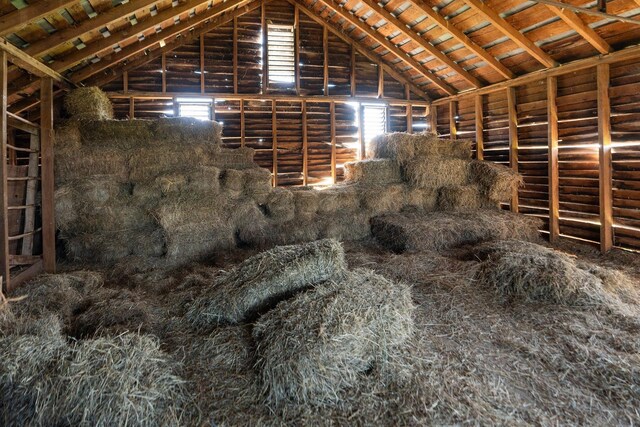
(281, 54)
(374, 121)
(194, 107)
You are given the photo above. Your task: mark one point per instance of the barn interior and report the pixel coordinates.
(319, 212)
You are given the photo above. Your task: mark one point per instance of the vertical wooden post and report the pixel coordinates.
(305, 145)
(296, 48)
(176, 107)
(453, 113)
(125, 81)
(132, 108)
(164, 72)
(213, 109)
(4, 197)
(479, 129)
(202, 85)
(235, 55)
(265, 49)
(332, 110)
(554, 186)
(30, 199)
(361, 132)
(380, 82)
(409, 118)
(513, 141)
(47, 177)
(353, 71)
(274, 127)
(604, 143)
(433, 119)
(325, 52)
(242, 131)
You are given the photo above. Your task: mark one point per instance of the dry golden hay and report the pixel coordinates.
(67, 136)
(403, 147)
(187, 130)
(314, 347)
(376, 200)
(146, 164)
(280, 205)
(196, 241)
(299, 230)
(232, 181)
(88, 103)
(256, 183)
(122, 380)
(421, 199)
(91, 162)
(82, 197)
(526, 271)
(345, 226)
(232, 158)
(443, 230)
(373, 172)
(497, 182)
(264, 279)
(120, 134)
(338, 199)
(434, 172)
(118, 216)
(463, 198)
(97, 249)
(250, 224)
(306, 202)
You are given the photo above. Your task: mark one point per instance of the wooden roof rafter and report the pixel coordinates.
(395, 50)
(32, 65)
(573, 20)
(18, 18)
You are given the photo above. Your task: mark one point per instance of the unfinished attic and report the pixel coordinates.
(319, 212)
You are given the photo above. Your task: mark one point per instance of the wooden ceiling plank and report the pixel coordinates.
(464, 39)
(390, 18)
(13, 21)
(388, 45)
(361, 48)
(589, 34)
(508, 30)
(42, 47)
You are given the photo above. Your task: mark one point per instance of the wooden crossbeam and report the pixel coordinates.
(72, 32)
(589, 34)
(365, 28)
(508, 30)
(464, 39)
(361, 49)
(17, 19)
(393, 20)
(32, 65)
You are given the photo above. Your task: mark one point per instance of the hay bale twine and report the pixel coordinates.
(88, 103)
(280, 206)
(529, 272)
(314, 347)
(264, 279)
(187, 130)
(463, 198)
(373, 172)
(497, 182)
(436, 173)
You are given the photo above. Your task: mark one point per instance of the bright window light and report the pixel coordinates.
(374, 121)
(281, 53)
(194, 107)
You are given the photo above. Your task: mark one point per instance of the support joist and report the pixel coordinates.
(575, 23)
(47, 176)
(513, 141)
(553, 176)
(604, 145)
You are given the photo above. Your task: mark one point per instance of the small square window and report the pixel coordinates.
(281, 54)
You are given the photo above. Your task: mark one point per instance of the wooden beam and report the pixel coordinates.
(575, 23)
(32, 65)
(325, 54)
(380, 83)
(390, 18)
(242, 124)
(72, 32)
(125, 81)
(19, 18)
(305, 145)
(30, 195)
(296, 48)
(453, 112)
(457, 34)
(479, 128)
(363, 148)
(433, 119)
(202, 81)
(513, 141)
(352, 74)
(265, 52)
(132, 108)
(163, 67)
(617, 56)
(332, 113)
(604, 144)
(274, 127)
(5, 271)
(362, 49)
(365, 28)
(409, 119)
(47, 176)
(554, 186)
(508, 30)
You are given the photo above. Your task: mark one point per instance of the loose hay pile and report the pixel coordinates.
(244, 291)
(443, 230)
(313, 347)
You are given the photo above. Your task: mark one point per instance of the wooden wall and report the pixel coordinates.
(304, 132)
(575, 137)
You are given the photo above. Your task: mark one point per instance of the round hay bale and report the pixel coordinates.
(463, 198)
(306, 202)
(436, 173)
(88, 103)
(147, 242)
(373, 172)
(263, 279)
(312, 348)
(280, 206)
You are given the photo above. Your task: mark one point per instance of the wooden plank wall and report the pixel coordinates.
(570, 127)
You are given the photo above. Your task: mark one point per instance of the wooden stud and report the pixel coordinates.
(265, 50)
(30, 195)
(125, 81)
(409, 119)
(479, 128)
(132, 108)
(164, 73)
(604, 144)
(513, 141)
(433, 119)
(305, 145)
(213, 109)
(554, 186)
(47, 176)
(176, 107)
(363, 148)
(242, 126)
(332, 110)
(325, 53)
(296, 48)
(453, 113)
(380, 83)
(5, 271)
(235, 55)
(353, 70)
(202, 81)
(274, 126)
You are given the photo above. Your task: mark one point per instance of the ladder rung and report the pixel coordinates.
(20, 236)
(23, 178)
